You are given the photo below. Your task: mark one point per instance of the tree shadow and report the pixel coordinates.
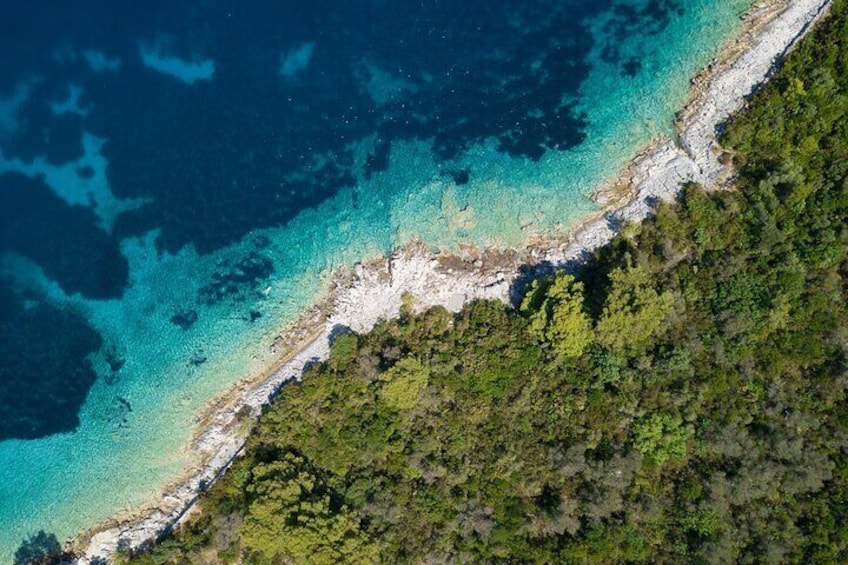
(528, 273)
(615, 221)
(41, 549)
(339, 330)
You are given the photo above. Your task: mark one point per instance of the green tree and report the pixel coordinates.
(292, 517)
(404, 383)
(634, 312)
(662, 437)
(560, 318)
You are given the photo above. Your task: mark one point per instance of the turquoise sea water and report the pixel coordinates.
(177, 185)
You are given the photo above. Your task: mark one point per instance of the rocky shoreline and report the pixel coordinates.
(368, 293)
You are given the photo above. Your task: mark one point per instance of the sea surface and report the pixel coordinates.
(178, 180)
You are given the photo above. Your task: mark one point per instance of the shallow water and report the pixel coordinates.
(177, 182)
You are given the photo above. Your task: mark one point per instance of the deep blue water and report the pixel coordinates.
(219, 158)
(158, 159)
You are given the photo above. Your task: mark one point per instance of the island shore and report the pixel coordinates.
(362, 296)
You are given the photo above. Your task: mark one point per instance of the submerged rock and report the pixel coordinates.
(198, 358)
(238, 278)
(461, 177)
(185, 318)
(116, 362)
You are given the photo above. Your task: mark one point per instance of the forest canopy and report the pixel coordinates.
(682, 399)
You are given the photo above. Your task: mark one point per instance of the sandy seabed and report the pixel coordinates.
(367, 293)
